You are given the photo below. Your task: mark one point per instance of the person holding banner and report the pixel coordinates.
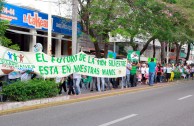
(152, 70)
(76, 82)
(93, 84)
(62, 85)
(70, 85)
(102, 83)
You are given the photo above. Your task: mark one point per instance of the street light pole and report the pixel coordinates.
(74, 26)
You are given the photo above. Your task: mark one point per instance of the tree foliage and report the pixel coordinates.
(169, 21)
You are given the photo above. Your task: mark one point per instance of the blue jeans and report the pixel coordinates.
(123, 82)
(128, 80)
(151, 78)
(107, 81)
(76, 83)
(98, 83)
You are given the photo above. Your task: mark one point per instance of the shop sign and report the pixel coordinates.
(32, 19)
(35, 20)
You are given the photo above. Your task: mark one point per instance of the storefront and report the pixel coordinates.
(28, 27)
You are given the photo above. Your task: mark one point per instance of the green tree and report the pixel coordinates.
(169, 21)
(184, 24)
(147, 18)
(100, 17)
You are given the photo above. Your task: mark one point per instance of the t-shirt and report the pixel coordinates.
(168, 69)
(127, 70)
(143, 70)
(181, 70)
(58, 79)
(133, 70)
(164, 69)
(147, 70)
(152, 67)
(76, 76)
(192, 69)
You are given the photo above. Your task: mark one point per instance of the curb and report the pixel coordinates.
(82, 98)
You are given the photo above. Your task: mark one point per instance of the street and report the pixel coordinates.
(167, 106)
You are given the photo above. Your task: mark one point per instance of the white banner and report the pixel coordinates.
(51, 67)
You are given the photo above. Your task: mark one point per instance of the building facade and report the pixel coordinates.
(28, 27)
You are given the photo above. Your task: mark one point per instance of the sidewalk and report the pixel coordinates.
(13, 107)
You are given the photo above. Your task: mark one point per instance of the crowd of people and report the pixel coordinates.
(136, 74)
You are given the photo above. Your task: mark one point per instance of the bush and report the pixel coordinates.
(32, 89)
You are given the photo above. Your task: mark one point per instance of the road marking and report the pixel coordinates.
(185, 97)
(118, 120)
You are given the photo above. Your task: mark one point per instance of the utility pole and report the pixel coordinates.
(74, 26)
(49, 39)
(114, 47)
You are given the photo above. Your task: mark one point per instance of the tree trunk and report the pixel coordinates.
(188, 51)
(85, 24)
(146, 45)
(97, 50)
(133, 44)
(178, 49)
(105, 50)
(162, 52)
(135, 47)
(154, 49)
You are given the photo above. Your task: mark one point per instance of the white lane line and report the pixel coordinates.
(185, 97)
(118, 120)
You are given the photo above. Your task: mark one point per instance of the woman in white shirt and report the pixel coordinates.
(168, 72)
(143, 72)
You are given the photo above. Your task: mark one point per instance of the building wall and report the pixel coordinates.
(85, 44)
(28, 27)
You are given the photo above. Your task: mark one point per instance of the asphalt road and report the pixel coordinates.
(168, 106)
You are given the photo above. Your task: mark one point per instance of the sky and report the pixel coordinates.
(43, 5)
